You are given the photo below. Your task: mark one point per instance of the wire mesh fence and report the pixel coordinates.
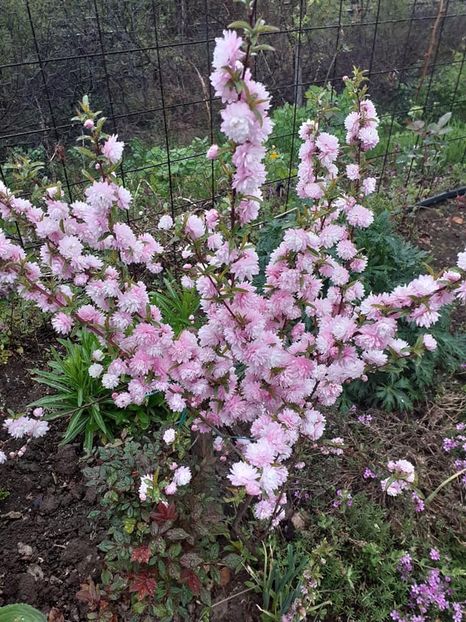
(146, 65)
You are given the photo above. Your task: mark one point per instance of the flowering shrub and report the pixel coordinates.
(267, 360)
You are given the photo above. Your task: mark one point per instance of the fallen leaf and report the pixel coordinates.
(164, 513)
(12, 515)
(298, 521)
(36, 571)
(24, 549)
(225, 576)
(457, 220)
(55, 615)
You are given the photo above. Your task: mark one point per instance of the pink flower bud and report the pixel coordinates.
(212, 152)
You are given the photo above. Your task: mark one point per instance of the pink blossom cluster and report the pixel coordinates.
(245, 121)
(361, 126)
(456, 444)
(267, 361)
(23, 426)
(402, 475)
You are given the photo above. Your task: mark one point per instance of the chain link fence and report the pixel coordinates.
(146, 65)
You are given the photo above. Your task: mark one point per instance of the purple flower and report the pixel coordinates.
(434, 555)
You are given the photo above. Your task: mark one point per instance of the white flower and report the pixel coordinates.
(97, 355)
(182, 476)
(165, 223)
(95, 370)
(169, 436)
(146, 481)
(110, 381)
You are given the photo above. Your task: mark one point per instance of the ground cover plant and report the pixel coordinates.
(225, 393)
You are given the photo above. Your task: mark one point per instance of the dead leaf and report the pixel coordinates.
(298, 521)
(457, 220)
(12, 515)
(25, 550)
(225, 576)
(55, 615)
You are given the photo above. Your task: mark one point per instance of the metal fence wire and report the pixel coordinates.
(146, 65)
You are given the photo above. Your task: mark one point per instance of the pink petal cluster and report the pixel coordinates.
(245, 122)
(402, 475)
(361, 126)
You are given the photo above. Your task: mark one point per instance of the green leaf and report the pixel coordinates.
(88, 439)
(239, 24)
(21, 613)
(444, 119)
(76, 426)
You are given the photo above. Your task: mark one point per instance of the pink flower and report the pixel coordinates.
(369, 185)
(145, 486)
(238, 122)
(70, 247)
(182, 476)
(122, 400)
(88, 124)
(261, 453)
(360, 216)
(434, 555)
(112, 149)
(352, 171)
(243, 474)
(165, 223)
(212, 152)
(328, 146)
(369, 137)
(194, 227)
(171, 489)
(250, 171)
(429, 342)
(227, 50)
(368, 474)
(62, 323)
(313, 425)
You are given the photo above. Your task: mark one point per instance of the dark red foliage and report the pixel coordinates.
(164, 513)
(141, 554)
(191, 580)
(143, 584)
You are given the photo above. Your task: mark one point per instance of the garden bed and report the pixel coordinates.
(49, 545)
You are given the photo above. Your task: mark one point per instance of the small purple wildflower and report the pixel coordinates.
(419, 505)
(365, 420)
